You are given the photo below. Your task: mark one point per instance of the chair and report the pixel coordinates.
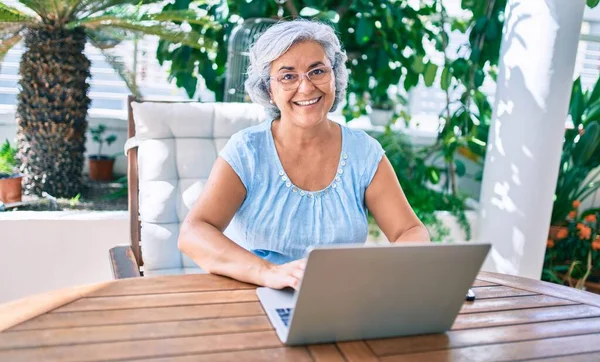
(171, 149)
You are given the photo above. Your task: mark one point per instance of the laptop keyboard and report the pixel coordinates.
(284, 314)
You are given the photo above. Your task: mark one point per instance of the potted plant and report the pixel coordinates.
(573, 256)
(382, 110)
(10, 179)
(101, 166)
(580, 159)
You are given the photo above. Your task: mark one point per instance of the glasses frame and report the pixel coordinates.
(303, 75)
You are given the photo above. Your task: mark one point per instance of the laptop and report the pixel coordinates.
(352, 292)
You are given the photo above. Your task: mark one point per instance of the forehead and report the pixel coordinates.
(301, 56)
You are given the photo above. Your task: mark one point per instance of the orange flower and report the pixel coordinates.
(576, 204)
(562, 233)
(596, 244)
(571, 215)
(550, 243)
(585, 232)
(590, 218)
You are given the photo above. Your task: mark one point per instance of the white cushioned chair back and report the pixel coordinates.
(178, 145)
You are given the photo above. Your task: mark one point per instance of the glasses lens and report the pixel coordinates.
(320, 75)
(288, 80)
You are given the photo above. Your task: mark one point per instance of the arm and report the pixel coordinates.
(390, 208)
(202, 239)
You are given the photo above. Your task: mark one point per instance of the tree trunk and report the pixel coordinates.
(52, 109)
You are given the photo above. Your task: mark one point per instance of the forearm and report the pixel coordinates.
(214, 252)
(415, 233)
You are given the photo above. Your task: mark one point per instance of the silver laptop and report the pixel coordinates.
(352, 292)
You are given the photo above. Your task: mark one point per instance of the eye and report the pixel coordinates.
(288, 77)
(317, 71)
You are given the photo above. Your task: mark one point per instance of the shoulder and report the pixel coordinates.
(360, 140)
(252, 137)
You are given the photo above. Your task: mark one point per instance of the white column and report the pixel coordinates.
(539, 46)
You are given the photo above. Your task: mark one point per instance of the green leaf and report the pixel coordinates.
(491, 31)
(577, 104)
(411, 80)
(433, 175)
(592, 3)
(417, 64)
(459, 168)
(445, 79)
(481, 23)
(430, 73)
(8, 14)
(364, 31)
(479, 77)
(595, 95)
(587, 143)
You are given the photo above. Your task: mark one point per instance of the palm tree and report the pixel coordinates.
(53, 102)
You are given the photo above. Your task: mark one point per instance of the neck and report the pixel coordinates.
(292, 135)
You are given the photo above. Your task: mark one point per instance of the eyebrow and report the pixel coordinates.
(317, 63)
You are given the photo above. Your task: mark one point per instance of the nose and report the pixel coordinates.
(306, 86)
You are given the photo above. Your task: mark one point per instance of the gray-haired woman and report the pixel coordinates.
(298, 179)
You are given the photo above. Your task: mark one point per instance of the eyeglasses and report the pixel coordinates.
(291, 80)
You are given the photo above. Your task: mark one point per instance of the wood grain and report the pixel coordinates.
(541, 287)
(290, 354)
(131, 332)
(123, 262)
(465, 338)
(357, 351)
(481, 283)
(144, 349)
(520, 316)
(500, 291)
(142, 315)
(498, 304)
(169, 284)
(159, 300)
(325, 353)
(133, 188)
(543, 348)
(19, 311)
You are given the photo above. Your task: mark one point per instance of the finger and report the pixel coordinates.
(294, 282)
(298, 274)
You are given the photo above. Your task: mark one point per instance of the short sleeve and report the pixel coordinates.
(238, 154)
(373, 155)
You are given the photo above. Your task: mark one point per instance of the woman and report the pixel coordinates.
(298, 179)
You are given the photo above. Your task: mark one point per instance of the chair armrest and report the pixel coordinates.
(123, 262)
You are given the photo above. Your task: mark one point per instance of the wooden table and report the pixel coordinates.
(209, 318)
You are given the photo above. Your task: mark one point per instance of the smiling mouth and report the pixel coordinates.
(308, 102)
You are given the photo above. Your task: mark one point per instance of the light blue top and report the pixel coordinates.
(277, 220)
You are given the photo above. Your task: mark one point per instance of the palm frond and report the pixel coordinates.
(166, 31)
(86, 8)
(118, 65)
(107, 38)
(191, 16)
(44, 8)
(8, 14)
(8, 41)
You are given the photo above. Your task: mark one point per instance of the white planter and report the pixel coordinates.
(380, 117)
(43, 251)
(457, 234)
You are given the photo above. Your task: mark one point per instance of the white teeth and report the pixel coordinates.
(308, 103)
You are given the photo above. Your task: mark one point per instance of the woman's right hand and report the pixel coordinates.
(284, 275)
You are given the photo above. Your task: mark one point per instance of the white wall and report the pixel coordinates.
(42, 251)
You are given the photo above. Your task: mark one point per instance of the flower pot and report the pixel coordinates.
(10, 189)
(381, 117)
(101, 168)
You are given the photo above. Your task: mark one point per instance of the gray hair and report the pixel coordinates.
(275, 41)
